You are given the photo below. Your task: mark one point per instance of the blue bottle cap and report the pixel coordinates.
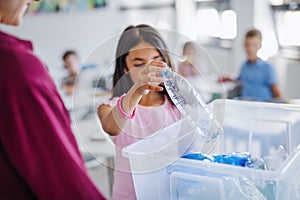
(165, 72)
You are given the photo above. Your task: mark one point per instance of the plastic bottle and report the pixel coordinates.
(276, 159)
(199, 156)
(256, 163)
(238, 159)
(191, 105)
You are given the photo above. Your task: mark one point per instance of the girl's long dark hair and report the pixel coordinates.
(132, 36)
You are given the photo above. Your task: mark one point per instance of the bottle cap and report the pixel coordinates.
(164, 74)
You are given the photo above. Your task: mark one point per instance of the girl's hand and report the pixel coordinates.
(149, 78)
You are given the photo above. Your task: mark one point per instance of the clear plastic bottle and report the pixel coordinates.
(275, 159)
(191, 105)
(256, 163)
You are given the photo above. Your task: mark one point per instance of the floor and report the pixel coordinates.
(99, 175)
(99, 172)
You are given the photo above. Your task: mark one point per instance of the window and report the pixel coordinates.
(228, 24)
(288, 32)
(286, 18)
(222, 23)
(158, 13)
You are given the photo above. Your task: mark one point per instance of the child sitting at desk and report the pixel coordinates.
(71, 63)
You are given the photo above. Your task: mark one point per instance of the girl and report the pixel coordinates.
(191, 54)
(139, 105)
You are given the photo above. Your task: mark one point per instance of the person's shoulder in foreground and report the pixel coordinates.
(39, 156)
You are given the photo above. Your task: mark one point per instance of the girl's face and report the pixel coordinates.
(139, 56)
(12, 11)
(188, 51)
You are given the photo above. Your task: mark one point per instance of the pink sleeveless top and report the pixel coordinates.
(148, 120)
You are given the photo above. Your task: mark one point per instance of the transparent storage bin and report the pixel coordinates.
(255, 127)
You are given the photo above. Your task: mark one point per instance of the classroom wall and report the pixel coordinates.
(84, 31)
(52, 34)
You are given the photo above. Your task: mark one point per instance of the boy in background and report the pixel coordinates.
(258, 78)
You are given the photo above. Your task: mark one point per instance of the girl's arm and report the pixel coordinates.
(111, 117)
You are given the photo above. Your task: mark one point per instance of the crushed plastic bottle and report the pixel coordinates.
(198, 156)
(237, 159)
(274, 160)
(191, 105)
(256, 163)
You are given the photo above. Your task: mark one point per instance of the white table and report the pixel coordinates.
(208, 85)
(94, 141)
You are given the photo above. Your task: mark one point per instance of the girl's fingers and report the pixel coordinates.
(154, 70)
(148, 86)
(145, 88)
(156, 66)
(158, 63)
(155, 88)
(155, 79)
(150, 77)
